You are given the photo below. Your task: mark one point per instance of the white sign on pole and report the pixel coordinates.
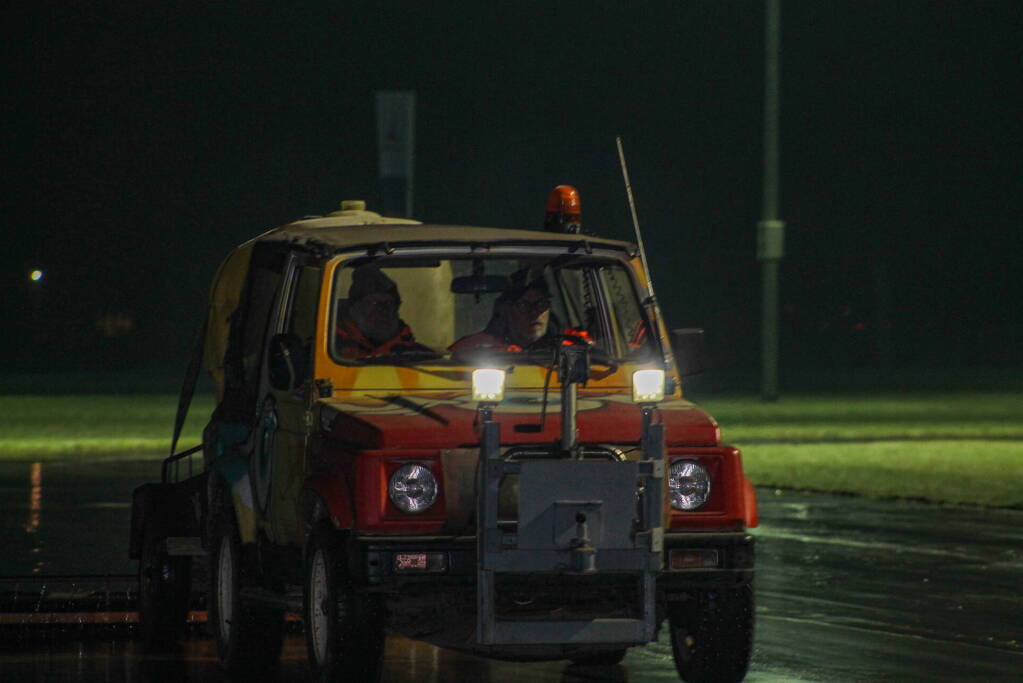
(396, 112)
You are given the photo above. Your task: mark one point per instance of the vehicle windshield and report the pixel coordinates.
(407, 309)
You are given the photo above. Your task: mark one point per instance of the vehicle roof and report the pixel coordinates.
(342, 233)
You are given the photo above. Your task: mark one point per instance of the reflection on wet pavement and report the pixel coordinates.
(196, 660)
(848, 590)
(68, 518)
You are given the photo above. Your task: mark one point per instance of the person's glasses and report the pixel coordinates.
(533, 305)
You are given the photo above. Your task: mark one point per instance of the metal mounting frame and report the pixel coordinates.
(620, 532)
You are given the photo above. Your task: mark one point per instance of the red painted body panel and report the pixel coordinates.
(333, 490)
(372, 437)
(353, 487)
(449, 421)
(374, 511)
(732, 505)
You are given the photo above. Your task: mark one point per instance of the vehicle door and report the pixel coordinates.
(284, 422)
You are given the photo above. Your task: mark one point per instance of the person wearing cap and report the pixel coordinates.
(371, 326)
(521, 319)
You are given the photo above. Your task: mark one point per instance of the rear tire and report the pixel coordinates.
(165, 584)
(344, 628)
(249, 635)
(712, 640)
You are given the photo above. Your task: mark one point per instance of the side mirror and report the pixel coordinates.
(688, 347)
(286, 362)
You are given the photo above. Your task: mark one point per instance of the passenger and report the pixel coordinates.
(371, 326)
(520, 321)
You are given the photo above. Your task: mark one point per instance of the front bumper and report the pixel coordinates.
(438, 602)
(384, 562)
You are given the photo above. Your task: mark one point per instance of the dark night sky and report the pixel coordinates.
(144, 142)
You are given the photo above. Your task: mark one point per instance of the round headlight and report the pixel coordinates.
(689, 484)
(412, 488)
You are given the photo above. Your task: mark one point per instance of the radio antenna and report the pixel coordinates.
(651, 301)
(635, 218)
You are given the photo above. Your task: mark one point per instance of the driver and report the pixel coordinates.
(371, 326)
(521, 319)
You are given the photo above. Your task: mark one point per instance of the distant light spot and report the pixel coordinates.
(35, 275)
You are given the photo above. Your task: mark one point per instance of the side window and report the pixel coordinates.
(249, 326)
(262, 291)
(305, 303)
(630, 328)
(302, 312)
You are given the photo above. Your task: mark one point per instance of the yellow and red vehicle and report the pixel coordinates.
(558, 500)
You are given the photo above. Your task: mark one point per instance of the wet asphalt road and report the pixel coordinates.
(848, 590)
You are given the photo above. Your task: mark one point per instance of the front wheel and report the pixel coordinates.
(344, 633)
(249, 635)
(712, 636)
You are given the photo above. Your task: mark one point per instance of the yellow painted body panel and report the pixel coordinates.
(290, 468)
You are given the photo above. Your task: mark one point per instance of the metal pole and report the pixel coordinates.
(770, 230)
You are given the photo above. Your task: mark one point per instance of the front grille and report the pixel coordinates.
(508, 509)
(589, 452)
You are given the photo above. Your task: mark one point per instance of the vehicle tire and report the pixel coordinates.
(344, 629)
(608, 658)
(249, 635)
(165, 585)
(712, 640)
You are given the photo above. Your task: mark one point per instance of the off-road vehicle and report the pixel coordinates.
(559, 499)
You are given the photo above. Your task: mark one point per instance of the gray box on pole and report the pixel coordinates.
(770, 240)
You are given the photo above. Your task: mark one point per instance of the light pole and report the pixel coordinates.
(770, 230)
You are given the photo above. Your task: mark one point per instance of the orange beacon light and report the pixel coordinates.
(564, 211)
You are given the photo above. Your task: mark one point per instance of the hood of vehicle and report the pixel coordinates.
(450, 420)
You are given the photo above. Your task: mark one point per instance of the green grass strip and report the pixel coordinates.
(70, 427)
(975, 472)
(825, 417)
(954, 447)
(958, 447)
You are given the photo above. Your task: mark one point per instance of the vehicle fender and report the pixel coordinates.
(230, 479)
(749, 503)
(333, 493)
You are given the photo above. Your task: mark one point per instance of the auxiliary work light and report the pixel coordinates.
(488, 385)
(647, 386)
